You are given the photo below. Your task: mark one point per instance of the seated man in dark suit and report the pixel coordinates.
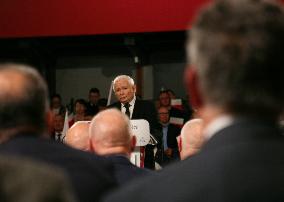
(165, 101)
(56, 106)
(92, 105)
(125, 89)
(58, 124)
(236, 85)
(110, 136)
(23, 115)
(170, 133)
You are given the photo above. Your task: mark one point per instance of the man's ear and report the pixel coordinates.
(134, 88)
(193, 88)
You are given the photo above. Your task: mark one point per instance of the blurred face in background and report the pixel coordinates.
(94, 97)
(58, 123)
(80, 108)
(124, 91)
(164, 116)
(165, 99)
(55, 103)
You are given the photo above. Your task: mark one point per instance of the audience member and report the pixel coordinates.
(58, 124)
(185, 107)
(165, 101)
(78, 136)
(102, 104)
(125, 89)
(80, 110)
(170, 133)
(92, 105)
(56, 105)
(236, 83)
(191, 138)
(116, 142)
(23, 113)
(171, 94)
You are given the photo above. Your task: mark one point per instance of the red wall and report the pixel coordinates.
(26, 18)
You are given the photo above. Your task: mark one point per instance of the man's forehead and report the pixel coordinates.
(122, 82)
(164, 95)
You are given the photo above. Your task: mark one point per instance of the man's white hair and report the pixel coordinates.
(123, 77)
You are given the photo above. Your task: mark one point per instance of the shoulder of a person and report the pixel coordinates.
(144, 102)
(114, 105)
(174, 127)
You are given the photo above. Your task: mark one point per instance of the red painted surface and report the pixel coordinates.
(29, 18)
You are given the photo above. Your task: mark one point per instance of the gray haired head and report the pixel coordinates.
(236, 47)
(123, 77)
(23, 99)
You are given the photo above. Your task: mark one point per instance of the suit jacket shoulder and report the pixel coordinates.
(243, 162)
(124, 170)
(116, 105)
(173, 132)
(144, 109)
(90, 175)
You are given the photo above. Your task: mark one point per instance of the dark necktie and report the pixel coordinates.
(127, 112)
(58, 135)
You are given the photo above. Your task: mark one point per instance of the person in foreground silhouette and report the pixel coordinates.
(235, 79)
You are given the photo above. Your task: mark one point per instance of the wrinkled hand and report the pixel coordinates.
(169, 152)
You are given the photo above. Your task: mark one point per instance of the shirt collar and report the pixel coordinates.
(132, 102)
(165, 124)
(216, 125)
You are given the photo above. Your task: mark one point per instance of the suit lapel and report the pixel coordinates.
(135, 109)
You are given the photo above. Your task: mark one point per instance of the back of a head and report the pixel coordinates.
(109, 130)
(192, 138)
(236, 47)
(23, 100)
(78, 135)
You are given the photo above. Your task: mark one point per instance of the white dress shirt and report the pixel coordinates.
(216, 125)
(131, 107)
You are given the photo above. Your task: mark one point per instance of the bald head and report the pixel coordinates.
(23, 99)
(191, 138)
(110, 133)
(78, 136)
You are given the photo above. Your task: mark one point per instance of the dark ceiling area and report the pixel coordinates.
(44, 52)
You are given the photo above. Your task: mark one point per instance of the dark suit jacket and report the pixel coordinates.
(92, 109)
(173, 132)
(90, 175)
(124, 170)
(243, 162)
(145, 110)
